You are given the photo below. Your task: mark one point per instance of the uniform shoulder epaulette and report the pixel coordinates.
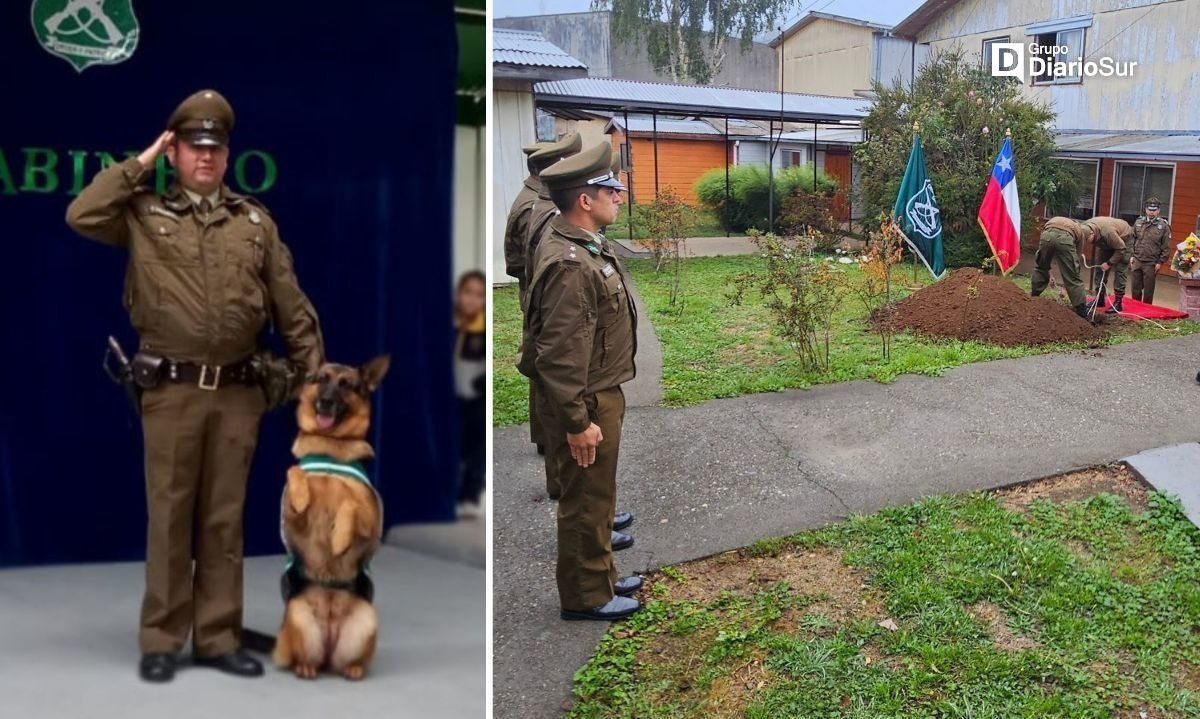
(570, 253)
(256, 202)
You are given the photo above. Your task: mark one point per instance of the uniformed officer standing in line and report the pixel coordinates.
(1061, 243)
(206, 270)
(1151, 245)
(582, 327)
(540, 217)
(516, 232)
(1109, 237)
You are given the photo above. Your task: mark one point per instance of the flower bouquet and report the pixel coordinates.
(1187, 258)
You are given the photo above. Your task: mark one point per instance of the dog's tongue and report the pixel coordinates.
(324, 421)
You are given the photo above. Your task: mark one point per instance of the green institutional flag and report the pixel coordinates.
(917, 213)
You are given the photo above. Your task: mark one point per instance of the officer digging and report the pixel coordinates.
(206, 270)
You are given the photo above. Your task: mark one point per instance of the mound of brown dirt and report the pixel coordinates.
(969, 305)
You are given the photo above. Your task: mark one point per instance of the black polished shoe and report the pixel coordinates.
(618, 608)
(541, 448)
(157, 667)
(236, 662)
(621, 541)
(553, 497)
(621, 520)
(627, 585)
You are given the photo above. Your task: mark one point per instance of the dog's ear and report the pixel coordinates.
(298, 495)
(343, 528)
(373, 371)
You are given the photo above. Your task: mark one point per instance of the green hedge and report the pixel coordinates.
(748, 192)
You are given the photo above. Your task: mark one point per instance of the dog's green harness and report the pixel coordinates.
(294, 578)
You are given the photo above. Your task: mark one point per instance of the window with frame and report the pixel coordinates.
(1088, 174)
(1069, 46)
(986, 57)
(1135, 182)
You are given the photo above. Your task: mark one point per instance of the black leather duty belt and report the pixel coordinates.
(210, 377)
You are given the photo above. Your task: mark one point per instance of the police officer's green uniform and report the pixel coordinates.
(1151, 246)
(581, 329)
(204, 275)
(1112, 235)
(1061, 242)
(516, 258)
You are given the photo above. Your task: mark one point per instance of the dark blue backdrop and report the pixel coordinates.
(355, 103)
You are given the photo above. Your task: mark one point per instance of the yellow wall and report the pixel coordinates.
(827, 58)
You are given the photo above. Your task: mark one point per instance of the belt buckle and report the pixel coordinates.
(216, 377)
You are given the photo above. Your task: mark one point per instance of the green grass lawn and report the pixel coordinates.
(714, 349)
(707, 225)
(986, 605)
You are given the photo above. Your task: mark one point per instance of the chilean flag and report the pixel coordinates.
(1000, 213)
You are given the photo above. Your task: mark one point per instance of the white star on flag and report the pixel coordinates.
(1005, 162)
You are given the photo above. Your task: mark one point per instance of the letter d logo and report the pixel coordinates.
(1008, 59)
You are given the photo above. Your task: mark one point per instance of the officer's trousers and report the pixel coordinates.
(586, 571)
(1142, 279)
(199, 445)
(1059, 247)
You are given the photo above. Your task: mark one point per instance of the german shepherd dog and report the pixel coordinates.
(332, 523)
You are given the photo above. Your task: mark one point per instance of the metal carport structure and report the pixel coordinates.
(568, 98)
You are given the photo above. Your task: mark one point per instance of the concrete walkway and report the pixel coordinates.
(68, 648)
(725, 473)
(1173, 470)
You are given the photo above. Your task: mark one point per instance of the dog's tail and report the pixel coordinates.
(257, 641)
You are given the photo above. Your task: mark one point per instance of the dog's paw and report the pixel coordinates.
(305, 671)
(354, 672)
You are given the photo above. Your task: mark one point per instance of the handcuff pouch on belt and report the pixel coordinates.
(147, 370)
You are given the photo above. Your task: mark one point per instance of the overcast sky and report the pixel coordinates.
(888, 13)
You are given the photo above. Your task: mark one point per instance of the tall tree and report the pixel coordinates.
(687, 38)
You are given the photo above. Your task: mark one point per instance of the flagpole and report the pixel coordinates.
(916, 133)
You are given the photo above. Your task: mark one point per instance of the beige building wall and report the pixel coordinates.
(827, 58)
(513, 126)
(1163, 92)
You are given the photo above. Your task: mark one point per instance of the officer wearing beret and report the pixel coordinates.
(1151, 245)
(582, 331)
(538, 156)
(206, 270)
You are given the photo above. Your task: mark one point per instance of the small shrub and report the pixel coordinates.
(749, 193)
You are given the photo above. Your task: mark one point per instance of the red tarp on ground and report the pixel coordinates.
(1134, 310)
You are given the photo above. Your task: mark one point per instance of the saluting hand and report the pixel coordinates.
(150, 154)
(583, 445)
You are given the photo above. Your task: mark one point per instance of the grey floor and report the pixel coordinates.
(68, 648)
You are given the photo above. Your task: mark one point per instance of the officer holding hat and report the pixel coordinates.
(516, 233)
(1151, 245)
(206, 271)
(581, 330)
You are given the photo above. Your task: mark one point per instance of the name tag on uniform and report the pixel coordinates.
(607, 270)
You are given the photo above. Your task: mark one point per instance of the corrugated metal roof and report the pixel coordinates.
(610, 94)
(666, 125)
(839, 136)
(1097, 144)
(521, 47)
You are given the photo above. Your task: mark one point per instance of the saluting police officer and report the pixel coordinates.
(1109, 239)
(582, 328)
(206, 270)
(1151, 245)
(540, 217)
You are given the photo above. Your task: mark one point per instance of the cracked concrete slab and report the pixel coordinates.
(723, 474)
